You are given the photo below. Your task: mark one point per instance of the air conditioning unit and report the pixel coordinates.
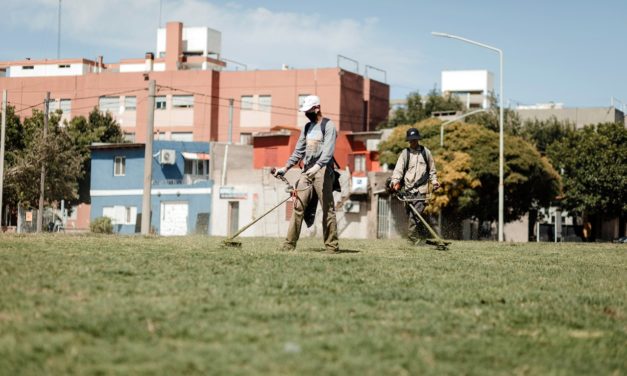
(351, 207)
(167, 156)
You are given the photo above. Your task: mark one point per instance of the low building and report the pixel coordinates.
(472, 87)
(181, 190)
(579, 116)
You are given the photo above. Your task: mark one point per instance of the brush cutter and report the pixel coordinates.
(409, 199)
(230, 242)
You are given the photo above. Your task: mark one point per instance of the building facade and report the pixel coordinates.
(472, 87)
(181, 192)
(579, 116)
(197, 98)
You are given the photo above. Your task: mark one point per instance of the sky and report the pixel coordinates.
(571, 52)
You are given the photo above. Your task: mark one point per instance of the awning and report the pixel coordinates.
(195, 156)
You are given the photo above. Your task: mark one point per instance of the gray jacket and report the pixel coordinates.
(312, 148)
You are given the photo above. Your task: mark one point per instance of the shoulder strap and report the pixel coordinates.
(425, 177)
(323, 126)
(424, 156)
(406, 161)
(307, 126)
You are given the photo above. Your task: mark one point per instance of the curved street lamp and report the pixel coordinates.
(501, 143)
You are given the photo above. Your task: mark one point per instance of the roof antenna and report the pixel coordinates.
(59, 33)
(160, 8)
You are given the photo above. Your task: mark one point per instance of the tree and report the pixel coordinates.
(542, 133)
(491, 118)
(468, 171)
(593, 163)
(58, 154)
(97, 127)
(418, 109)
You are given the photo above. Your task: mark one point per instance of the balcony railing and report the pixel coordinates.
(187, 180)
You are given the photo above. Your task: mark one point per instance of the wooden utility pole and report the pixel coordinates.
(2, 133)
(40, 213)
(148, 159)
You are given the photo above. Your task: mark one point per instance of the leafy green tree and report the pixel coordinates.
(593, 163)
(55, 151)
(97, 127)
(491, 118)
(419, 108)
(542, 133)
(469, 176)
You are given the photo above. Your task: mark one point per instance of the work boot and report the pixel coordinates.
(335, 251)
(286, 247)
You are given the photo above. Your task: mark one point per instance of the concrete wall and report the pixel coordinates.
(580, 116)
(58, 68)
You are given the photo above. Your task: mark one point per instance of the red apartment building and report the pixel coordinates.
(198, 100)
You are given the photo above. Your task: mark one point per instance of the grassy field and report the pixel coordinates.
(118, 305)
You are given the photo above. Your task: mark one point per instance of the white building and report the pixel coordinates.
(472, 87)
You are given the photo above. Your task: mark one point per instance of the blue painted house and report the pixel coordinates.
(181, 186)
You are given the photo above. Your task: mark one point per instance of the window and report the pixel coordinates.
(29, 67)
(265, 103)
(64, 66)
(119, 168)
(182, 136)
(246, 138)
(120, 215)
(65, 105)
(110, 104)
(160, 102)
(52, 105)
(196, 167)
(182, 101)
(130, 103)
(360, 163)
(129, 136)
(301, 99)
(247, 102)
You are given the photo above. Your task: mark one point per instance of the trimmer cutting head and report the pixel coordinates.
(229, 243)
(440, 245)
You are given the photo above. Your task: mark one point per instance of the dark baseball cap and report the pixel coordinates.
(413, 134)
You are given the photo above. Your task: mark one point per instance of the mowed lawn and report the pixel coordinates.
(135, 305)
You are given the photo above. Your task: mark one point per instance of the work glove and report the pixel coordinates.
(279, 171)
(312, 171)
(436, 185)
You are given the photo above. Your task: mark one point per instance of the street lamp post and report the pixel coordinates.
(442, 145)
(501, 142)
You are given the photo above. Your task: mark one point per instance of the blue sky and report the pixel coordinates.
(572, 52)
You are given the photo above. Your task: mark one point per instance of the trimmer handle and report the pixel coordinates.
(289, 186)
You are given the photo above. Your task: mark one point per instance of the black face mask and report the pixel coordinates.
(312, 116)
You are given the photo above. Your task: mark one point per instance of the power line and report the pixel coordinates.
(358, 118)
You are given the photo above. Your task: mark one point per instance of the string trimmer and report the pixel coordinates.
(230, 242)
(409, 199)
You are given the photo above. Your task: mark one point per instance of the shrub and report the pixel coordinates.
(101, 225)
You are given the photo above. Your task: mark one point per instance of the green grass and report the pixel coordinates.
(119, 305)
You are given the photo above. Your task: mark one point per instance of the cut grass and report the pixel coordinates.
(115, 305)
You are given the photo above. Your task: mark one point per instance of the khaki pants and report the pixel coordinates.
(322, 183)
